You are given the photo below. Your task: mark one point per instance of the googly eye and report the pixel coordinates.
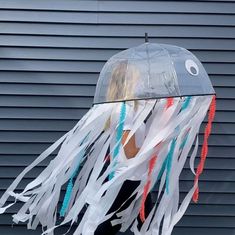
(191, 67)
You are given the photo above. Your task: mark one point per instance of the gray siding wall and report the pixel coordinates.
(51, 52)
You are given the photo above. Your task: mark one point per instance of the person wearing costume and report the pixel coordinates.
(149, 103)
(118, 75)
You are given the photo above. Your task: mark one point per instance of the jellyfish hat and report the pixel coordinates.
(160, 93)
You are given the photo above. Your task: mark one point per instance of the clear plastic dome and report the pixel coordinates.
(150, 71)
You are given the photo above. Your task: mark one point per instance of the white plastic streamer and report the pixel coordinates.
(92, 190)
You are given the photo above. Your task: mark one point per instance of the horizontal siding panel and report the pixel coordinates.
(105, 43)
(38, 125)
(15, 160)
(65, 125)
(60, 113)
(40, 65)
(201, 221)
(208, 198)
(45, 16)
(207, 175)
(207, 221)
(215, 56)
(122, 6)
(37, 148)
(223, 92)
(37, 77)
(82, 102)
(48, 77)
(48, 90)
(207, 189)
(37, 113)
(219, 161)
(171, 6)
(97, 55)
(205, 186)
(43, 137)
(59, 29)
(116, 18)
(196, 220)
(42, 102)
(193, 230)
(165, 19)
(211, 198)
(220, 68)
(89, 67)
(222, 105)
(21, 229)
(77, 90)
(193, 210)
(185, 186)
(223, 80)
(218, 210)
(210, 175)
(49, 5)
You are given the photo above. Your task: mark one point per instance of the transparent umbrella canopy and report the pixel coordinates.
(152, 70)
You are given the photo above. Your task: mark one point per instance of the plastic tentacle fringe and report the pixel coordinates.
(171, 130)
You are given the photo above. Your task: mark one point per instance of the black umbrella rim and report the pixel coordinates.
(148, 98)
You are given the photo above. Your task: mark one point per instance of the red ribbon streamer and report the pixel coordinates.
(204, 150)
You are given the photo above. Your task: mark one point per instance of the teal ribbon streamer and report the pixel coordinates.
(118, 137)
(186, 103)
(169, 163)
(68, 193)
(69, 188)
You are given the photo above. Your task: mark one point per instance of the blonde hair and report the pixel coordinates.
(122, 84)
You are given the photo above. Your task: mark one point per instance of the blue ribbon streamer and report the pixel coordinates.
(69, 188)
(169, 163)
(118, 136)
(186, 103)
